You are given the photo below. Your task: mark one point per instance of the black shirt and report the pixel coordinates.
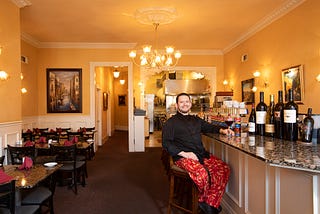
(183, 133)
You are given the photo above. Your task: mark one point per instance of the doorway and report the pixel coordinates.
(93, 108)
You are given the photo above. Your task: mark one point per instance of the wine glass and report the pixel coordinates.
(229, 121)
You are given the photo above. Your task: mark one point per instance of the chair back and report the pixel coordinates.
(64, 153)
(17, 153)
(27, 136)
(51, 135)
(7, 196)
(71, 135)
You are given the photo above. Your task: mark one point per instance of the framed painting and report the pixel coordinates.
(246, 89)
(105, 101)
(64, 90)
(122, 100)
(293, 78)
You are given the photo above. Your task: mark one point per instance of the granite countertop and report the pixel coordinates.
(280, 153)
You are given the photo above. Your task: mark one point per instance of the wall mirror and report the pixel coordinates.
(293, 78)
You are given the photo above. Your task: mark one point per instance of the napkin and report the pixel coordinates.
(28, 143)
(52, 131)
(4, 178)
(42, 140)
(74, 140)
(29, 131)
(68, 143)
(27, 163)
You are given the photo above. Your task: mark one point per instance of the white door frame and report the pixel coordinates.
(93, 65)
(98, 114)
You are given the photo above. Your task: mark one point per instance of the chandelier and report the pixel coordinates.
(152, 58)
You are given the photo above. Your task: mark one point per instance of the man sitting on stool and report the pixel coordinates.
(181, 137)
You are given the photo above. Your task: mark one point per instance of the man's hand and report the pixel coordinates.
(226, 132)
(189, 155)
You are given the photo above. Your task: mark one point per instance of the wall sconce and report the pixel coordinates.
(116, 73)
(254, 89)
(3, 75)
(318, 78)
(122, 82)
(225, 82)
(256, 73)
(23, 90)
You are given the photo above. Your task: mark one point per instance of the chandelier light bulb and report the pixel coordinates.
(23, 90)
(254, 89)
(169, 50)
(132, 54)
(147, 49)
(177, 55)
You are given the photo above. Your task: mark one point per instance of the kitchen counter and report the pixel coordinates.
(281, 153)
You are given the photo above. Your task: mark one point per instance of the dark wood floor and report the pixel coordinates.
(119, 182)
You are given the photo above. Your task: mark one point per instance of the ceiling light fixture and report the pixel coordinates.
(116, 73)
(154, 59)
(3, 75)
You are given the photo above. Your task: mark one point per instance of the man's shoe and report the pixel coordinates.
(207, 209)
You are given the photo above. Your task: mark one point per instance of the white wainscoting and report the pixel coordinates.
(10, 133)
(57, 121)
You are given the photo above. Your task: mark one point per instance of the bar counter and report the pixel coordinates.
(280, 153)
(268, 175)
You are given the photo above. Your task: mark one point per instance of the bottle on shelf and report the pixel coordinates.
(270, 118)
(307, 127)
(252, 121)
(261, 113)
(278, 116)
(290, 115)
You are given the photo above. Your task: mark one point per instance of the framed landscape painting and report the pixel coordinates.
(293, 78)
(64, 90)
(247, 93)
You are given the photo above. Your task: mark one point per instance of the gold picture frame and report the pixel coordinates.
(292, 77)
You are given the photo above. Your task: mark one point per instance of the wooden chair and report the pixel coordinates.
(8, 201)
(183, 193)
(17, 153)
(88, 135)
(63, 132)
(67, 156)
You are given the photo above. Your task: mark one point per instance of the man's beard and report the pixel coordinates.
(183, 111)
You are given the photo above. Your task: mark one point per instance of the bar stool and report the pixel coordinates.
(182, 191)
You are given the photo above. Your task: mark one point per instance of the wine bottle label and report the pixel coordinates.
(277, 115)
(252, 127)
(269, 128)
(261, 117)
(290, 116)
(252, 141)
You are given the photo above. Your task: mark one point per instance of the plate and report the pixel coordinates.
(50, 164)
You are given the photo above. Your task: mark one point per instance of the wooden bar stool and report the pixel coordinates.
(183, 193)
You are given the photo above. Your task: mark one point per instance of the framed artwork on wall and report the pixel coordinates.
(105, 101)
(64, 90)
(247, 93)
(293, 78)
(121, 100)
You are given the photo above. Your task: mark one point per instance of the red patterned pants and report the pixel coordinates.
(211, 188)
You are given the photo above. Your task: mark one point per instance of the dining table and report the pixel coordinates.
(29, 178)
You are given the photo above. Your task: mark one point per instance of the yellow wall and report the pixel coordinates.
(10, 93)
(121, 111)
(30, 80)
(292, 40)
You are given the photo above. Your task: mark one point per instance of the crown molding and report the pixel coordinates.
(32, 41)
(22, 3)
(264, 22)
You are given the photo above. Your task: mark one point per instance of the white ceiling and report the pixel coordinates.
(205, 25)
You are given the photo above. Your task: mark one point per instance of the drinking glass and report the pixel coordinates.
(229, 121)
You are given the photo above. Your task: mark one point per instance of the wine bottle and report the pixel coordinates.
(278, 117)
(270, 118)
(307, 127)
(261, 113)
(252, 121)
(290, 115)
